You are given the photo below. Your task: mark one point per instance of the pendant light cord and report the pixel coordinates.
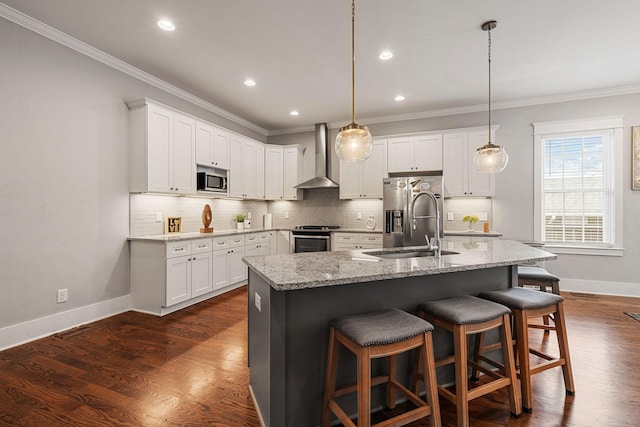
(353, 61)
(489, 50)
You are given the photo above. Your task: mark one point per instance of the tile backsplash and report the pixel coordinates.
(319, 207)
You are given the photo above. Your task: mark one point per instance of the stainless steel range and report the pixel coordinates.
(311, 238)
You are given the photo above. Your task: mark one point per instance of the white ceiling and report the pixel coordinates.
(299, 51)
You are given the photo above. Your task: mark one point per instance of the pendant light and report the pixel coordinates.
(354, 142)
(490, 158)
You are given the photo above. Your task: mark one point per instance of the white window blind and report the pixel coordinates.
(578, 191)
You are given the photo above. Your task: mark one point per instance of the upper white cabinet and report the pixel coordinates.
(162, 149)
(212, 146)
(363, 180)
(246, 167)
(283, 171)
(419, 153)
(460, 176)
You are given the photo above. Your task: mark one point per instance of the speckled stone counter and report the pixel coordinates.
(163, 238)
(320, 269)
(292, 299)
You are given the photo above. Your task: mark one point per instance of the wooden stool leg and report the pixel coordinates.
(430, 380)
(330, 381)
(364, 387)
(563, 345)
(509, 366)
(478, 347)
(461, 370)
(391, 391)
(522, 340)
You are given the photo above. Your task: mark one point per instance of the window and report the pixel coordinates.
(578, 192)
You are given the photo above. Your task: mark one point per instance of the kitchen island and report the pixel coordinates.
(293, 297)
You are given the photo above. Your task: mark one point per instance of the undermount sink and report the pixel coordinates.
(407, 253)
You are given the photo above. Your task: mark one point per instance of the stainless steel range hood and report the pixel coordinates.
(321, 180)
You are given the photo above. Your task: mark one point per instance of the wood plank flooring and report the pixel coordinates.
(190, 369)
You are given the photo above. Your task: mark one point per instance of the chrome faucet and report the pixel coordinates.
(433, 244)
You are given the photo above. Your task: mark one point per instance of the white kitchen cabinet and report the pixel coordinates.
(363, 180)
(189, 275)
(283, 171)
(351, 241)
(162, 149)
(228, 266)
(246, 168)
(419, 153)
(178, 280)
(212, 146)
(460, 176)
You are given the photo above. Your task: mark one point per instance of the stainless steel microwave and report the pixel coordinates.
(212, 182)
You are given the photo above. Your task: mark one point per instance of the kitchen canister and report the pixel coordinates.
(371, 223)
(268, 220)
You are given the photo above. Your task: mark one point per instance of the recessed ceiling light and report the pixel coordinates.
(399, 98)
(166, 25)
(294, 113)
(385, 55)
(249, 82)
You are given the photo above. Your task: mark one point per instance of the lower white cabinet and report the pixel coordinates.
(350, 241)
(188, 276)
(258, 244)
(228, 267)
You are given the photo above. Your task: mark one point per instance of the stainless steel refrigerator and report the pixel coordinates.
(400, 195)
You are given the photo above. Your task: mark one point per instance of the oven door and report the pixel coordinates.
(308, 243)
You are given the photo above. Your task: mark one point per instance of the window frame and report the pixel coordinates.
(543, 130)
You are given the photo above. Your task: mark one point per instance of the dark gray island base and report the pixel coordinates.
(299, 294)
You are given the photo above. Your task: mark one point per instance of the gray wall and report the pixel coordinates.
(64, 180)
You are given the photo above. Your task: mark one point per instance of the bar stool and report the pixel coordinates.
(374, 335)
(463, 316)
(532, 275)
(526, 303)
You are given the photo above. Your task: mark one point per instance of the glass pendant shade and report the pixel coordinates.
(490, 158)
(354, 143)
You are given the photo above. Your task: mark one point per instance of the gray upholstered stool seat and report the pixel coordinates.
(521, 298)
(385, 333)
(535, 273)
(381, 327)
(463, 316)
(526, 304)
(464, 310)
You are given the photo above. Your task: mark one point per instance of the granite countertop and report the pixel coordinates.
(320, 269)
(163, 238)
(472, 233)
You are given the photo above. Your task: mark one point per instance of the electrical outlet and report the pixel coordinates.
(482, 216)
(158, 216)
(358, 215)
(258, 301)
(286, 215)
(63, 295)
(449, 216)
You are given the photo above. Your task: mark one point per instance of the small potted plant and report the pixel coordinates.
(471, 219)
(240, 221)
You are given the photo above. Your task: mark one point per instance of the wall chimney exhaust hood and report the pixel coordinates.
(321, 179)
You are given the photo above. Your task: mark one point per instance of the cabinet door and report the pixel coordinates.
(159, 135)
(259, 166)
(249, 154)
(455, 164)
(400, 154)
(220, 269)
(204, 144)
(274, 167)
(427, 153)
(344, 247)
(237, 269)
(236, 178)
(350, 180)
(273, 243)
(479, 184)
(374, 171)
(178, 280)
(292, 173)
(201, 274)
(183, 154)
(220, 155)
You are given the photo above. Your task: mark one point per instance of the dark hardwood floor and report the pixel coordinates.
(190, 369)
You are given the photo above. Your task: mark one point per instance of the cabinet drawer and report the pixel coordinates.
(201, 246)
(220, 243)
(372, 239)
(236, 241)
(175, 249)
(252, 238)
(346, 238)
(264, 237)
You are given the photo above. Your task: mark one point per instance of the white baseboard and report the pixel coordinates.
(625, 289)
(32, 330)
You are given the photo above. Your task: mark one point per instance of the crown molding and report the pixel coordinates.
(64, 39)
